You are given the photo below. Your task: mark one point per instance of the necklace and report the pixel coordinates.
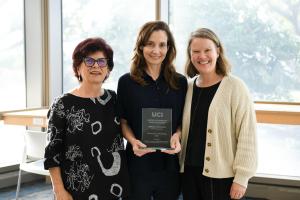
(193, 114)
(197, 104)
(209, 91)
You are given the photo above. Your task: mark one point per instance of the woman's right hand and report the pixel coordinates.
(62, 194)
(137, 147)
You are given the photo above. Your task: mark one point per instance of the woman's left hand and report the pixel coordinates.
(237, 191)
(175, 143)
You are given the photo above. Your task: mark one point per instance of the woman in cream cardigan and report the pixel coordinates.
(219, 153)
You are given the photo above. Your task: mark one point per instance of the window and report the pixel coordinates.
(279, 151)
(115, 21)
(262, 41)
(12, 76)
(12, 61)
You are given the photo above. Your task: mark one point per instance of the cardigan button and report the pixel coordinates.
(207, 158)
(209, 144)
(206, 170)
(209, 131)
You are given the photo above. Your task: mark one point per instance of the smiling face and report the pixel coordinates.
(93, 74)
(156, 48)
(204, 54)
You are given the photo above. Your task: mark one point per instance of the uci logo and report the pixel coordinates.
(157, 114)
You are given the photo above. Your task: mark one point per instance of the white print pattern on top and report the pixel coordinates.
(73, 152)
(102, 101)
(116, 189)
(55, 158)
(57, 107)
(93, 197)
(78, 177)
(117, 121)
(96, 127)
(115, 167)
(76, 119)
(52, 136)
(75, 127)
(117, 144)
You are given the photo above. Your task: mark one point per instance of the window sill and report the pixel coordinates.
(277, 113)
(280, 180)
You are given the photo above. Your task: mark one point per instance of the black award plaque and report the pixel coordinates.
(157, 128)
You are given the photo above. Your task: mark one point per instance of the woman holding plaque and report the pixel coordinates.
(154, 85)
(219, 153)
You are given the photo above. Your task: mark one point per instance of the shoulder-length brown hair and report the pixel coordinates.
(222, 66)
(138, 65)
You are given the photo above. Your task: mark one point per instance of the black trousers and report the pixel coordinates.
(195, 186)
(160, 185)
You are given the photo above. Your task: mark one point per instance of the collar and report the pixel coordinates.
(149, 79)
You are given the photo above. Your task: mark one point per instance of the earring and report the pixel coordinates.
(80, 78)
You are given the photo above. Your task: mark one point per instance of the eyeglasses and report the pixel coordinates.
(89, 62)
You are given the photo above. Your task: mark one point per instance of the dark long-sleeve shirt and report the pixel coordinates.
(132, 98)
(86, 143)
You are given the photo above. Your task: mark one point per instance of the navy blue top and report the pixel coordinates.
(132, 97)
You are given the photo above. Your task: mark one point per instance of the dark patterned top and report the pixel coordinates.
(86, 143)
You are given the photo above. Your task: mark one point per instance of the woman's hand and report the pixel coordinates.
(59, 190)
(62, 194)
(137, 147)
(175, 143)
(237, 191)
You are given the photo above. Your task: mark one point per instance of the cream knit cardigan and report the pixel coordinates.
(231, 149)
